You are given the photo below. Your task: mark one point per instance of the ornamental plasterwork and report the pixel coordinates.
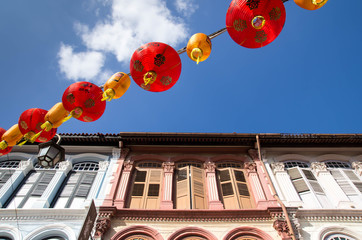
(23, 165)
(250, 166)
(357, 167)
(282, 227)
(103, 165)
(102, 225)
(209, 166)
(318, 167)
(168, 167)
(128, 165)
(278, 167)
(65, 165)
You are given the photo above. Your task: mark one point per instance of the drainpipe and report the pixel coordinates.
(275, 195)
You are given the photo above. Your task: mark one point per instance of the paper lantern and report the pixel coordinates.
(84, 101)
(310, 4)
(255, 23)
(7, 149)
(30, 122)
(54, 117)
(11, 137)
(199, 47)
(116, 86)
(155, 67)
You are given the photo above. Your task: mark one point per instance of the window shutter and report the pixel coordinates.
(182, 189)
(4, 178)
(197, 188)
(227, 189)
(309, 175)
(83, 190)
(294, 173)
(316, 187)
(39, 189)
(67, 190)
(239, 176)
(351, 175)
(224, 175)
(300, 185)
(343, 182)
(243, 189)
(47, 177)
(88, 178)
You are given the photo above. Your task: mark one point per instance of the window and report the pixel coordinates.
(6, 170)
(291, 164)
(190, 191)
(146, 189)
(337, 164)
(31, 189)
(76, 186)
(233, 187)
(139, 237)
(339, 237)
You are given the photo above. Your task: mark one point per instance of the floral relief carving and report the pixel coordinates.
(168, 167)
(103, 165)
(23, 165)
(250, 166)
(282, 227)
(357, 167)
(128, 166)
(278, 167)
(318, 167)
(209, 166)
(102, 225)
(65, 165)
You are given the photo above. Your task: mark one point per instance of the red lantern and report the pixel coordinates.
(84, 101)
(7, 149)
(155, 67)
(255, 23)
(30, 122)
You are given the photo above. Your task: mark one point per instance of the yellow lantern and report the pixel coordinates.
(199, 47)
(310, 4)
(11, 137)
(55, 117)
(116, 86)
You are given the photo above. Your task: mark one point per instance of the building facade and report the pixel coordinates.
(187, 186)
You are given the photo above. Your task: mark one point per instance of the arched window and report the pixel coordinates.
(7, 169)
(5, 238)
(139, 237)
(146, 189)
(190, 187)
(290, 164)
(30, 189)
(338, 237)
(53, 238)
(234, 190)
(76, 187)
(337, 164)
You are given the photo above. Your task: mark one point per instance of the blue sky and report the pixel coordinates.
(307, 81)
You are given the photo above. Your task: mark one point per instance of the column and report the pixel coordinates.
(286, 185)
(255, 185)
(116, 163)
(263, 178)
(124, 182)
(168, 169)
(47, 197)
(15, 179)
(331, 188)
(212, 192)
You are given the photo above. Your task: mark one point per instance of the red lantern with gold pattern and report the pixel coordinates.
(155, 67)
(7, 149)
(30, 122)
(255, 23)
(84, 101)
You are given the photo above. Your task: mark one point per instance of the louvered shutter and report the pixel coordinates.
(343, 182)
(138, 191)
(294, 173)
(354, 178)
(85, 185)
(197, 176)
(182, 188)
(42, 184)
(243, 190)
(152, 199)
(228, 191)
(300, 185)
(4, 177)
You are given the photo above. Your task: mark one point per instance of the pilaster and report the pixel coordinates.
(213, 196)
(168, 169)
(333, 191)
(119, 202)
(255, 185)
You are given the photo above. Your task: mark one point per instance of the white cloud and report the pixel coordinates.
(83, 65)
(186, 7)
(130, 25)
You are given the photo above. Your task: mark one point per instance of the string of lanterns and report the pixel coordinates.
(155, 67)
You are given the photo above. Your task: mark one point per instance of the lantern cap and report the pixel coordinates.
(50, 153)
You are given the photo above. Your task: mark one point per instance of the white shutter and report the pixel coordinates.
(343, 182)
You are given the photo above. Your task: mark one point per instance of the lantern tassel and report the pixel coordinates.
(108, 95)
(67, 118)
(149, 77)
(198, 53)
(33, 138)
(47, 126)
(3, 145)
(22, 143)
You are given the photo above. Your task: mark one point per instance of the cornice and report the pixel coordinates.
(42, 214)
(174, 215)
(330, 215)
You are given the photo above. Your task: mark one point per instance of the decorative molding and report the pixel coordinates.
(318, 167)
(357, 167)
(278, 167)
(25, 164)
(250, 166)
(102, 226)
(116, 153)
(168, 167)
(282, 227)
(210, 167)
(128, 165)
(103, 165)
